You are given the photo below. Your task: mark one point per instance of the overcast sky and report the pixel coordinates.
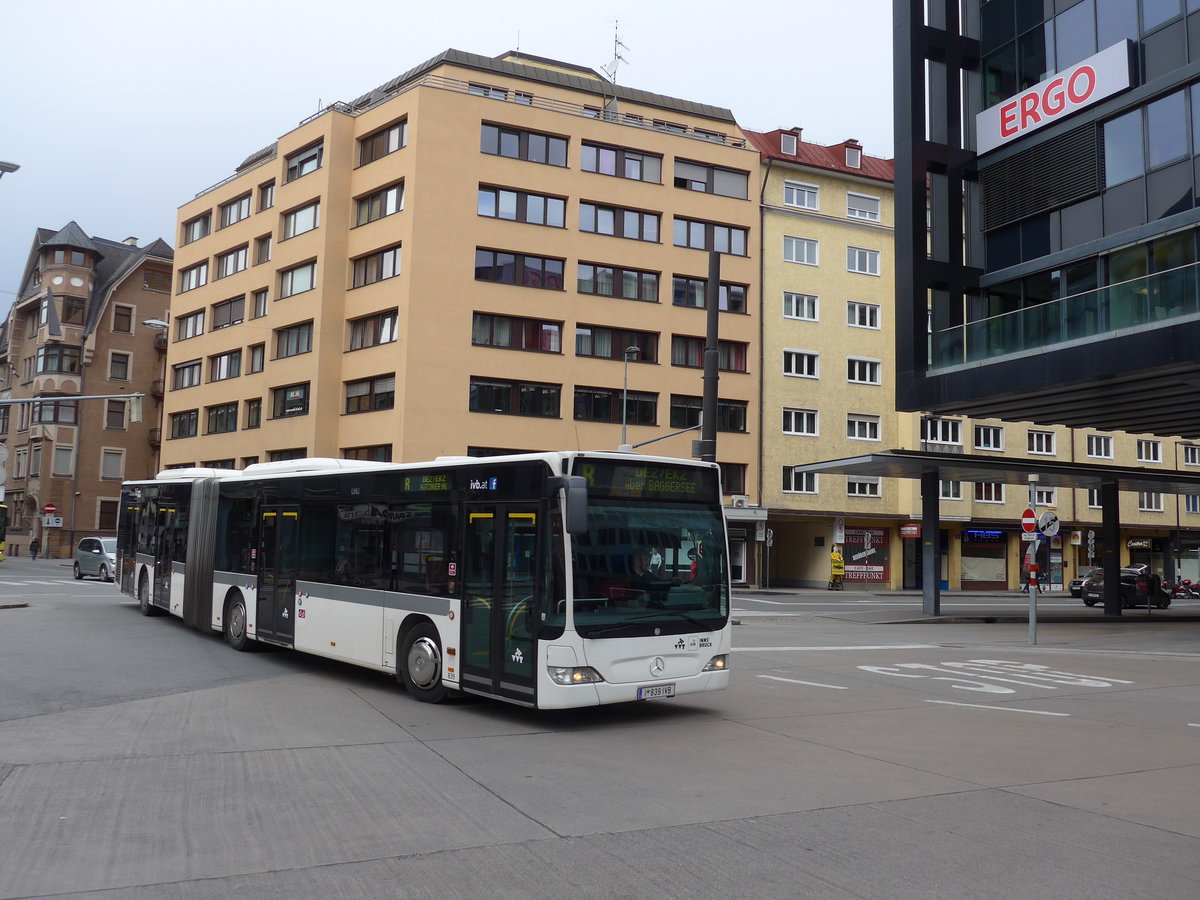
(118, 113)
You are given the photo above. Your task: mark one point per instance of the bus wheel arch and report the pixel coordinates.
(419, 660)
(143, 594)
(234, 619)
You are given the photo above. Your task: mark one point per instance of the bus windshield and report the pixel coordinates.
(656, 568)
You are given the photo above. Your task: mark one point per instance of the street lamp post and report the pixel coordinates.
(630, 352)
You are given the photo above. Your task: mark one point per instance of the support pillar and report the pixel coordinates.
(931, 520)
(1110, 560)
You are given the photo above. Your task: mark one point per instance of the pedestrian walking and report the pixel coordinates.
(34, 546)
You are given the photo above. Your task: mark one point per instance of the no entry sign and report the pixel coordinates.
(1029, 521)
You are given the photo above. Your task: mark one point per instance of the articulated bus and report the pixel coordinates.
(550, 580)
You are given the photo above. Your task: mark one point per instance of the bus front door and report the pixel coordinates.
(278, 535)
(498, 651)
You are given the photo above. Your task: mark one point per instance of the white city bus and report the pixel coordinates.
(551, 580)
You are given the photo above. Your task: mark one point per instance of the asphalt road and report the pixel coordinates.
(849, 759)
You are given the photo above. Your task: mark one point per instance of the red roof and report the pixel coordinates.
(832, 157)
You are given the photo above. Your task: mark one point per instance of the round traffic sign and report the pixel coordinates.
(49, 509)
(1029, 521)
(1049, 523)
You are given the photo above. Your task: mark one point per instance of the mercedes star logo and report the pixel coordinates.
(657, 666)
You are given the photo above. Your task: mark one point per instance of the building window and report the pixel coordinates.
(4, 419)
(157, 280)
(377, 266)
(800, 195)
(501, 267)
(1094, 501)
(1150, 501)
(685, 413)
(950, 490)
(74, 310)
(371, 394)
(800, 306)
(707, 179)
(619, 222)
(266, 195)
(370, 331)
(989, 437)
(611, 343)
(60, 412)
(193, 277)
(232, 262)
(302, 162)
(527, 145)
(796, 482)
(620, 162)
(1040, 442)
(787, 144)
(64, 463)
(801, 363)
(733, 478)
(941, 431)
(382, 142)
(860, 486)
(710, 236)
(183, 424)
(227, 463)
(285, 455)
(604, 405)
(865, 262)
(298, 280)
(235, 211)
(487, 90)
(222, 418)
(692, 291)
(689, 351)
(1149, 451)
(122, 321)
(615, 281)
(379, 204)
(515, 333)
(800, 250)
(989, 492)
(863, 371)
(228, 312)
(290, 401)
(521, 206)
(1100, 446)
(253, 413)
(853, 158)
(1046, 496)
(260, 303)
(257, 357)
(862, 315)
(1191, 454)
(225, 365)
(118, 366)
(301, 220)
(860, 206)
(515, 398)
(862, 427)
(194, 229)
(60, 358)
(800, 421)
(293, 340)
(186, 375)
(1191, 503)
(262, 250)
(112, 464)
(374, 453)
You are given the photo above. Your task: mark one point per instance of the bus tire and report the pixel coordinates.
(234, 623)
(419, 664)
(144, 605)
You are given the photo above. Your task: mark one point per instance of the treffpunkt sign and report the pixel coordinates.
(1054, 99)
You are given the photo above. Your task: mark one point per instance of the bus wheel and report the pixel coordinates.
(144, 596)
(235, 624)
(420, 664)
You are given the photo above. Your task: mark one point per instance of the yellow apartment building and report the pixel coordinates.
(476, 257)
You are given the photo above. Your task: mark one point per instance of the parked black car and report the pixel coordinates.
(1138, 588)
(1076, 585)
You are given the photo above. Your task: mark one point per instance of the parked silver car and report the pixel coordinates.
(96, 556)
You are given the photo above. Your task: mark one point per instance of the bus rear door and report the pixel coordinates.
(278, 537)
(498, 651)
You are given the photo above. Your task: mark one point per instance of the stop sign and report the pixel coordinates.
(50, 509)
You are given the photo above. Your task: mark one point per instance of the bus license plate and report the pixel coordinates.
(656, 692)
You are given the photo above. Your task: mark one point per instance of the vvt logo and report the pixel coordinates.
(679, 644)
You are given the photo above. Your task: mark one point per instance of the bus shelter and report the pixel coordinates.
(931, 468)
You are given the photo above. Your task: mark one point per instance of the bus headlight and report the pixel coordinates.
(574, 675)
(717, 664)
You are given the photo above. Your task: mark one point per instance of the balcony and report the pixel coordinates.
(1153, 301)
(160, 342)
(156, 388)
(154, 437)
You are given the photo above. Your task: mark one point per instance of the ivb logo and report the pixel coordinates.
(484, 484)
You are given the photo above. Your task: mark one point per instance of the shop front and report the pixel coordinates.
(914, 557)
(984, 559)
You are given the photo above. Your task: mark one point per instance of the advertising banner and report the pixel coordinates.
(866, 552)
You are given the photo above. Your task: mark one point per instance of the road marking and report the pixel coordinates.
(1193, 724)
(865, 647)
(836, 687)
(1036, 712)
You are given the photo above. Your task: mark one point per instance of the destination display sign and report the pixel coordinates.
(648, 480)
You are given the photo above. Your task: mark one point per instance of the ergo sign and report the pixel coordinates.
(1068, 91)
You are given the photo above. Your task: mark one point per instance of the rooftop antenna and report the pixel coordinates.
(611, 69)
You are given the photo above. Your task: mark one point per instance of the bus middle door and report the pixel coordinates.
(498, 651)
(164, 555)
(278, 537)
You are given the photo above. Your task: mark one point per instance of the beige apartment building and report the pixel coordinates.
(77, 328)
(470, 259)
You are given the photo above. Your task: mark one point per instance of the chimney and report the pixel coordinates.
(130, 241)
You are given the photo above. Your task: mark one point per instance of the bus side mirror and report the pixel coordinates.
(575, 487)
